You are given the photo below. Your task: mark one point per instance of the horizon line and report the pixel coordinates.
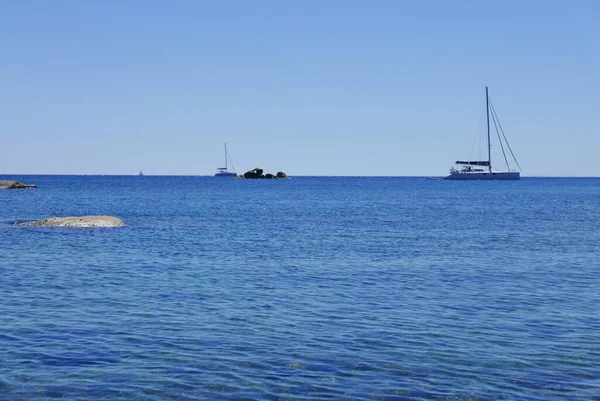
(303, 176)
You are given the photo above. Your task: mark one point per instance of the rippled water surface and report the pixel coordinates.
(305, 289)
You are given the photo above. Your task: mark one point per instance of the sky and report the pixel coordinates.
(335, 87)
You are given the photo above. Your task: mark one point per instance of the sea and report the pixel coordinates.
(312, 288)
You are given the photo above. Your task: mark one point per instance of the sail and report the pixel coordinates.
(474, 163)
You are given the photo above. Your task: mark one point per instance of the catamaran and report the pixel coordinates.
(222, 171)
(482, 169)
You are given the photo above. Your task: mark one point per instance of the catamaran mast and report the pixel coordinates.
(487, 109)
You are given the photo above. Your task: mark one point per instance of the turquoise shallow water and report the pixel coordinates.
(305, 289)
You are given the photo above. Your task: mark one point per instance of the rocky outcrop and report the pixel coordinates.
(4, 184)
(257, 173)
(78, 221)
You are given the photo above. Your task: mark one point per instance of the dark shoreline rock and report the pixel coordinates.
(77, 221)
(257, 174)
(7, 184)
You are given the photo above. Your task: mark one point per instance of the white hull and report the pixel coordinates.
(485, 175)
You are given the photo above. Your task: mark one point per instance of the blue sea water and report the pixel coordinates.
(305, 289)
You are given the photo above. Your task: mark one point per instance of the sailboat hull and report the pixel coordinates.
(225, 174)
(477, 176)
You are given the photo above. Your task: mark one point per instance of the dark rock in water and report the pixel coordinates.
(79, 221)
(257, 173)
(4, 184)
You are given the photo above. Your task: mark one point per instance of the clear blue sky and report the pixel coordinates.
(336, 87)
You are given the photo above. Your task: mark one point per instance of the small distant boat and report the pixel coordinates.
(482, 169)
(223, 171)
(141, 173)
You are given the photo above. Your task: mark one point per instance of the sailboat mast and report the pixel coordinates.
(226, 151)
(487, 109)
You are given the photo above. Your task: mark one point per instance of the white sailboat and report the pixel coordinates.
(223, 171)
(482, 169)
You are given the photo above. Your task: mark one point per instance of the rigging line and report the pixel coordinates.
(231, 162)
(494, 119)
(481, 135)
(506, 140)
(477, 143)
(473, 140)
(482, 140)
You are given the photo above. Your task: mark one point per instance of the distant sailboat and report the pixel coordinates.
(482, 169)
(223, 171)
(141, 173)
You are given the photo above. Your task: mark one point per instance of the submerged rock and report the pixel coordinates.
(77, 221)
(6, 184)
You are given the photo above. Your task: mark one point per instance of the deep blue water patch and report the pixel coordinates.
(305, 289)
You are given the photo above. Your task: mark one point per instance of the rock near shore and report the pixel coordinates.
(78, 221)
(5, 184)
